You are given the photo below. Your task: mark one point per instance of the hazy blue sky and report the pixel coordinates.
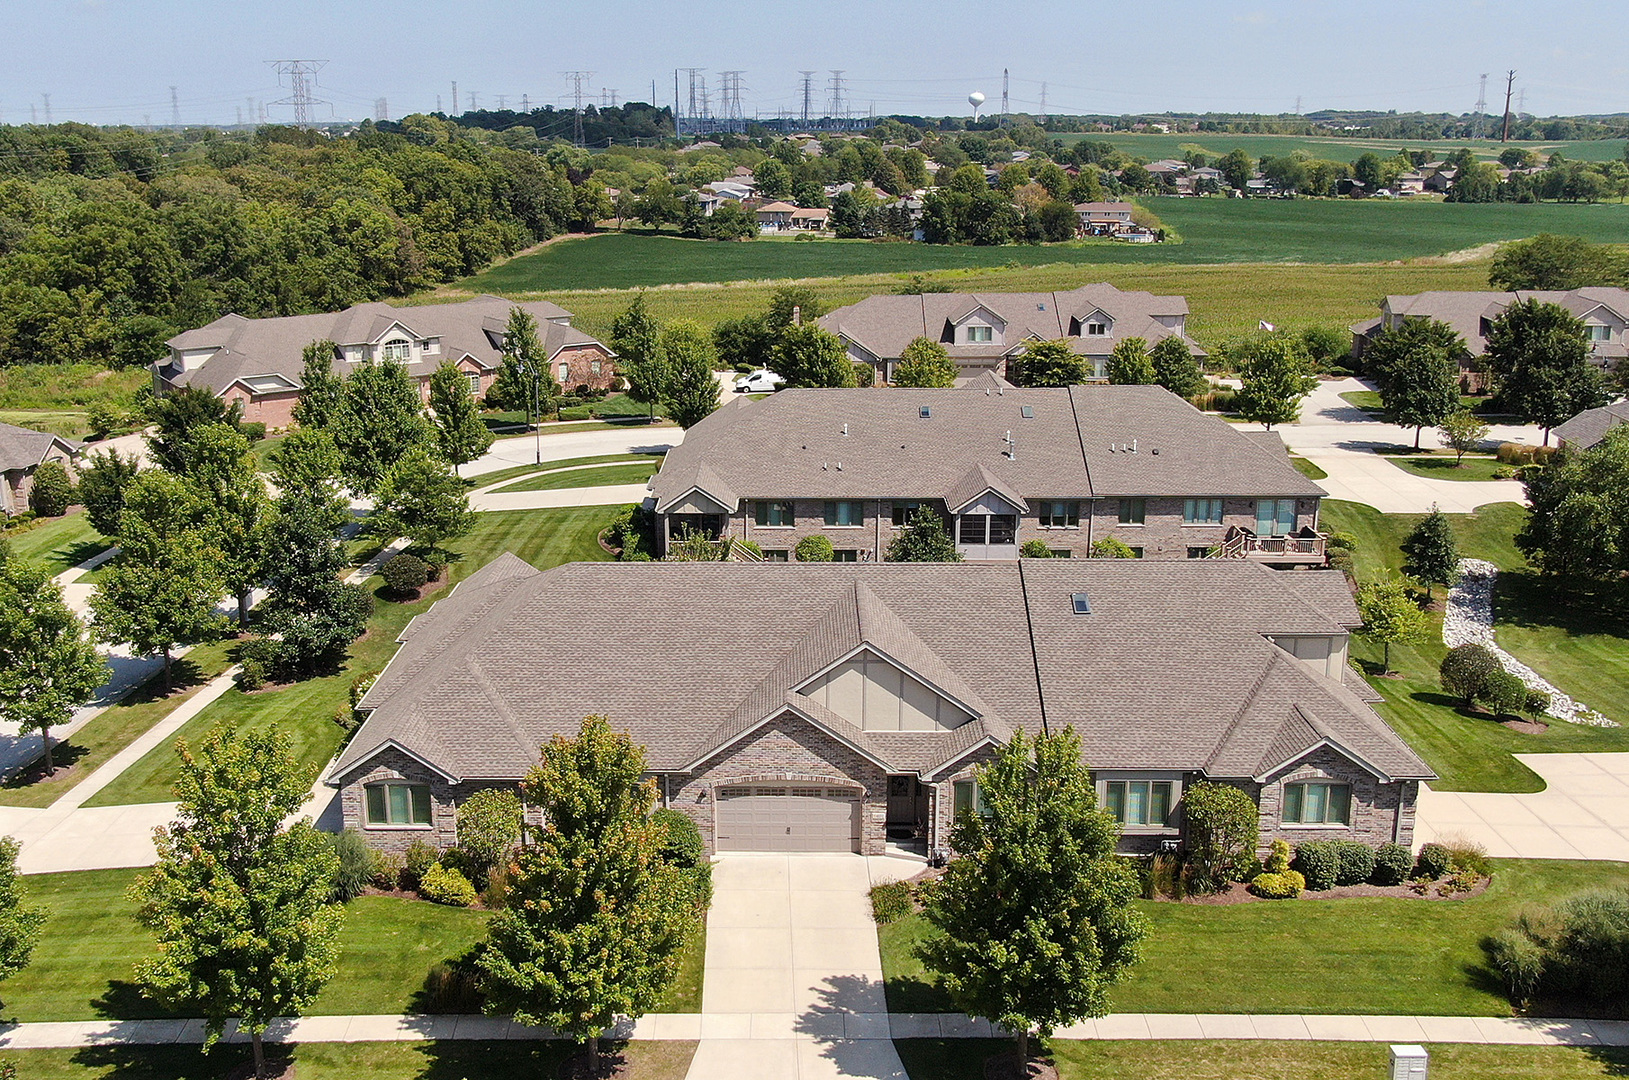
(115, 60)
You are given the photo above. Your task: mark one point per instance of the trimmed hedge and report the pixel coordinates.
(1392, 863)
(1284, 886)
(444, 885)
(405, 574)
(1432, 862)
(1356, 862)
(1319, 863)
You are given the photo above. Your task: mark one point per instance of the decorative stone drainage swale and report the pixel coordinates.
(1468, 620)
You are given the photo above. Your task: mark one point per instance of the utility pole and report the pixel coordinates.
(175, 111)
(1510, 82)
(438, 103)
(808, 94)
(1043, 104)
(1521, 102)
(1297, 104)
(1481, 107)
(579, 79)
(302, 80)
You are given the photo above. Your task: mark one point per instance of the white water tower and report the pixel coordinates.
(975, 99)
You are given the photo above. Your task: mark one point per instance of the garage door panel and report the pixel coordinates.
(787, 819)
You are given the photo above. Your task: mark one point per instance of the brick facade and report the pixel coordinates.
(580, 364)
(1381, 812)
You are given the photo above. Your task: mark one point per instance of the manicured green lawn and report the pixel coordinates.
(1444, 467)
(1574, 641)
(116, 727)
(554, 480)
(963, 1059)
(58, 545)
(346, 1061)
(305, 711)
(1361, 956)
(1307, 468)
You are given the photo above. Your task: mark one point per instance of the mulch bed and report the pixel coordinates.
(1006, 1066)
(1527, 727)
(1238, 893)
(36, 772)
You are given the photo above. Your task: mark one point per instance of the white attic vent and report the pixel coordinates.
(1080, 603)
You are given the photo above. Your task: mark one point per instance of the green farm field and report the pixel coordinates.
(1157, 146)
(1213, 230)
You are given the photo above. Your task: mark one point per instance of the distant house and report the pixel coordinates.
(1604, 313)
(1590, 426)
(775, 216)
(810, 218)
(22, 451)
(984, 331)
(1440, 181)
(258, 362)
(1104, 218)
(1411, 183)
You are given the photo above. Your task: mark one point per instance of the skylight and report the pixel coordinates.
(1081, 603)
(1026, 411)
(924, 411)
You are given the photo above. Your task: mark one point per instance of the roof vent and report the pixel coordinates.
(1081, 604)
(1040, 307)
(845, 429)
(924, 411)
(1026, 411)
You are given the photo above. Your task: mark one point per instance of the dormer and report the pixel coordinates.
(873, 693)
(1098, 323)
(1602, 325)
(978, 326)
(1324, 654)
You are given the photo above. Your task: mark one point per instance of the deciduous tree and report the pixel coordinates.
(1390, 616)
(48, 666)
(176, 415)
(924, 539)
(380, 419)
(1036, 915)
(1416, 367)
(1129, 363)
(635, 338)
(1538, 354)
(419, 498)
(237, 509)
(1175, 367)
(687, 354)
(1276, 375)
(1462, 432)
(809, 355)
(1548, 261)
(925, 363)
(1430, 553)
(240, 903)
(1578, 526)
(1048, 363)
(460, 435)
(321, 387)
(103, 478)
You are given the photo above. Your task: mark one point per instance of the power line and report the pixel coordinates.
(302, 81)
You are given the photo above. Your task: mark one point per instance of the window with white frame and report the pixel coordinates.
(1138, 804)
(980, 334)
(398, 804)
(1096, 329)
(565, 372)
(1317, 802)
(1059, 514)
(594, 367)
(1202, 512)
(430, 346)
(1598, 332)
(397, 349)
(474, 383)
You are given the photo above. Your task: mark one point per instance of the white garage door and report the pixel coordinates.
(788, 819)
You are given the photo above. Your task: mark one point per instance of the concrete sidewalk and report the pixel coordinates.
(871, 1033)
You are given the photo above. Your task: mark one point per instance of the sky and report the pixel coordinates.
(114, 61)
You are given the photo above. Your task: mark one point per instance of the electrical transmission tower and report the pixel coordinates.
(694, 111)
(579, 79)
(455, 97)
(839, 105)
(1043, 104)
(1510, 82)
(503, 102)
(525, 103)
(1003, 95)
(1481, 108)
(1521, 102)
(302, 84)
(608, 97)
(47, 98)
(730, 101)
(381, 109)
(808, 94)
(175, 111)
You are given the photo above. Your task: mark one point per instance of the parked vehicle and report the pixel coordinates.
(762, 381)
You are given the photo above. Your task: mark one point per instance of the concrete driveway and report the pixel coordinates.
(793, 986)
(1583, 813)
(560, 445)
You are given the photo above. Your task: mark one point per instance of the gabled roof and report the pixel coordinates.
(1171, 670)
(25, 448)
(1590, 426)
(270, 350)
(979, 482)
(1466, 311)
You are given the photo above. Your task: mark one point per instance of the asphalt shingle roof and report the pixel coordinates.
(1590, 426)
(1171, 670)
(24, 448)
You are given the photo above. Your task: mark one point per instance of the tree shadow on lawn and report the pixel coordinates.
(124, 1000)
(444, 1060)
(1534, 601)
(76, 553)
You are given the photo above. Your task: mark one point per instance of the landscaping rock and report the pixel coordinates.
(1468, 620)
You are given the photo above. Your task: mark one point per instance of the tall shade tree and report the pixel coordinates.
(321, 387)
(48, 666)
(1416, 367)
(1390, 616)
(1578, 526)
(460, 435)
(1129, 364)
(380, 419)
(1036, 915)
(793, 304)
(596, 916)
(176, 415)
(1540, 360)
(102, 480)
(419, 498)
(810, 355)
(927, 364)
(1430, 553)
(924, 539)
(20, 921)
(1175, 367)
(1276, 375)
(688, 355)
(635, 338)
(1048, 363)
(524, 383)
(240, 903)
(162, 587)
(222, 472)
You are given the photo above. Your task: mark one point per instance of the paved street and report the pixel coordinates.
(1583, 813)
(1340, 438)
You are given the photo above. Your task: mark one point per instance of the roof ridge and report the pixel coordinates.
(1246, 700)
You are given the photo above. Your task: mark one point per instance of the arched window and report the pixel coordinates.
(398, 349)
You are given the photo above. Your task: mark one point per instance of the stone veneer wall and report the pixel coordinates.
(1381, 812)
(445, 798)
(785, 750)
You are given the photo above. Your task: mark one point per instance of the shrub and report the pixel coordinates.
(1278, 857)
(891, 900)
(416, 861)
(387, 870)
(1588, 949)
(1513, 454)
(1343, 541)
(1541, 455)
(1223, 828)
(1284, 885)
(1356, 862)
(1392, 863)
(577, 412)
(1502, 693)
(864, 375)
(1110, 548)
(1319, 862)
(496, 894)
(405, 574)
(1468, 855)
(251, 675)
(815, 549)
(444, 885)
(1537, 703)
(53, 492)
(360, 686)
(356, 865)
(451, 989)
(1466, 669)
(1432, 861)
(1034, 549)
(254, 431)
(489, 824)
(1165, 871)
(1519, 960)
(102, 418)
(682, 844)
